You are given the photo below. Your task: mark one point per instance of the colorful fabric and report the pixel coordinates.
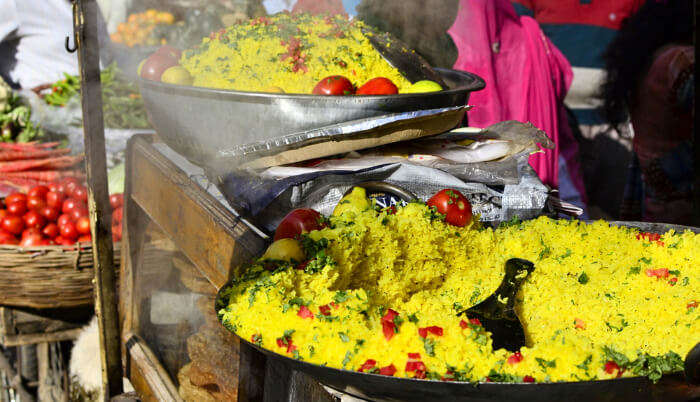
(662, 121)
(582, 30)
(527, 78)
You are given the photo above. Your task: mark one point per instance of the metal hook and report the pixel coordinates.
(68, 48)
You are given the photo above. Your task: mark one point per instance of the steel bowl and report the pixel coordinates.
(375, 387)
(203, 124)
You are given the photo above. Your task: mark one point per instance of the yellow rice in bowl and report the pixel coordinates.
(599, 304)
(291, 52)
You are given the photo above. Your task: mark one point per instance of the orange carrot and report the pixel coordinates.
(60, 162)
(32, 154)
(43, 175)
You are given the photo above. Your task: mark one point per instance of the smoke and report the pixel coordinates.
(422, 24)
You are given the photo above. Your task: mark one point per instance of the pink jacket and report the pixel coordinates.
(526, 76)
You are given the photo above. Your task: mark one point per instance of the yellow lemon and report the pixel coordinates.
(176, 75)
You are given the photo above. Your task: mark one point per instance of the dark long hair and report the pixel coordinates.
(629, 55)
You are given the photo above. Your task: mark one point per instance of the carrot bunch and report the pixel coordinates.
(26, 165)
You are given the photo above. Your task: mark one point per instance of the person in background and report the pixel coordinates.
(526, 78)
(650, 78)
(582, 29)
(32, 42)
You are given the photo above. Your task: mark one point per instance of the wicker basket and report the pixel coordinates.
(48, 277)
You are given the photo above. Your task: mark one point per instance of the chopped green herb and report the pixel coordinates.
(412, 318)
(343, 337)
(635, 270)
(583, 278)
(340, 296)
(429, 345)
(546, 363)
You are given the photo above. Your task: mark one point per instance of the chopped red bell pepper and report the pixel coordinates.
(648, 236)
(474, 321)
(388, 329)
(672, 281)
(658, 273)
(390, 315)
(414, 356)
(515, 358)
(579, 323)
(367, 365)
(302, 266)
(611, 366)
(286, 342)
(528, 378)
(463, 324)
(335, 305)
(304, 312)
(325, 309)
(420, 374)
(692, 304)
(423, 332)
(389, 370)
(415, 366)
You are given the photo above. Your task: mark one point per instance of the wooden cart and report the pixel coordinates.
(180, 244)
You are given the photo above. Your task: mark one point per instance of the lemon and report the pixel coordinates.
(176, 75)
(285, 250)
(423, 86)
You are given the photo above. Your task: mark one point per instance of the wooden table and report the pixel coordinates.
(171, 222)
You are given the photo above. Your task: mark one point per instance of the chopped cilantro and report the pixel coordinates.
(584, 365)
(685, 281)
(346, 359)
(343, 337)
(429, 345)
(340, 296)
(546, 363)
(457, 306)
(675, 272)
(645, 260)
(583, 278)
(635, 270)
(412, 318)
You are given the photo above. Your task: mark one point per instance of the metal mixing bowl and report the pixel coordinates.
(204, 123)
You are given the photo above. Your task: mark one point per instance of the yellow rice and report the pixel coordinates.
(251, 56)
(417, 265)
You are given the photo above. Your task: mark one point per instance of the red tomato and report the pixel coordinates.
(116, 200)
(53, 187)
(334, 85)
(32, 240)
(33, 219)
(13, 224)
(15, 197)
(70, 183)
(83, 225)
(8, 238)
(35, 203)
(78, 213)
(156, 64)
(80, 193)
(17, 208)
(454, 205)
(117, 215)
(298, 221)
(51, 230)
(117, 232)
(63, 219)
(63, 241)
(51, 214)
(170, 51)
(3, 213)
(85, 238)
(69, 204)
(39, 191)
(68, 231)
(55, 199)
(378, 86)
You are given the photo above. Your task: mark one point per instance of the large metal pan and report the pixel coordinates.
(204, 123)
(383, 388)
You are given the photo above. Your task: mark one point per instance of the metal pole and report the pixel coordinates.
(85, 16)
